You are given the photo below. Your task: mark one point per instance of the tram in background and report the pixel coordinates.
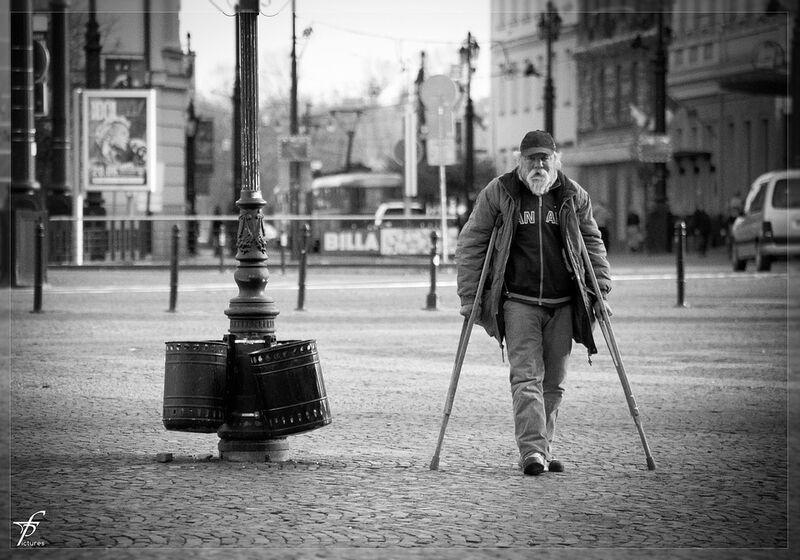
(353, 202)
(354, 193)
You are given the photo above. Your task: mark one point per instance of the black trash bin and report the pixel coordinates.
(194, 386)
(289, 379)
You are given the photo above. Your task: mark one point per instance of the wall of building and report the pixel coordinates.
(517, 98)
(140, 48)
(731, 109)
(726, 110)
(5, 104)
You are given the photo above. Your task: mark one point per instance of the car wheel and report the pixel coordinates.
(763, 262)
(738, 264)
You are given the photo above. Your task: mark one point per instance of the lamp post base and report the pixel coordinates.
(254, 451)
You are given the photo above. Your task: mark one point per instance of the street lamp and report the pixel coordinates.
(658, 222)
(191, 191)
(549, 30)
(244, 435)
(468, 51)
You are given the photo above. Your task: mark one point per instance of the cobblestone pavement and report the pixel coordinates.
(86, 389)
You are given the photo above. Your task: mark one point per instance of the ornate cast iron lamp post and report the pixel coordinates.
(252, 313)
(469, 51)
(658, 221)
(549, 30)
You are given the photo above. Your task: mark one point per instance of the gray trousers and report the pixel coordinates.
(539, 342)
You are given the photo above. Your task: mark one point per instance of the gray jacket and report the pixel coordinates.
(498, 203)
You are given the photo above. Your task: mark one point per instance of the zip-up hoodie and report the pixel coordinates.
(498, 204)
(536, 272)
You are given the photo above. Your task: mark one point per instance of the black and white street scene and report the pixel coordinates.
(499, 279)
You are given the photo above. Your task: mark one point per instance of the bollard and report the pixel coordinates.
(432, 300)
(301, 281)
(39, 264)
(680, 245)
(173, 268)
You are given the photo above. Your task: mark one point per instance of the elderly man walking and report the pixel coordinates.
(536, 298)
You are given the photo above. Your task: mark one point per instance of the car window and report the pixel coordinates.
(398, 211)
(757, 202)
(786, 193)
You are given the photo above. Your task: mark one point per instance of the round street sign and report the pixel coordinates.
(399, 152)
(438, 90)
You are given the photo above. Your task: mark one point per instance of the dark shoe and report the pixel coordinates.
(555, 466)
(533, 464)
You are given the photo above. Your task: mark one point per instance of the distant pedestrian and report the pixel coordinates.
(536, 300)
(735, 206)
(701, 227)
(735, 209)
(633, 232)
(217, 233)
(602, 216)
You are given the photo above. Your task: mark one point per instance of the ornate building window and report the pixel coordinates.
(619, 79)
(124, 73)
(598, 98)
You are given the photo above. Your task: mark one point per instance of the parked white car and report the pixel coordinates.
(397, 210)
(769, 227)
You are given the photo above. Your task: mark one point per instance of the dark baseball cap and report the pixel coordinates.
(537, 142)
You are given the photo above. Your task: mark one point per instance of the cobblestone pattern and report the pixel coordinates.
(710, 380)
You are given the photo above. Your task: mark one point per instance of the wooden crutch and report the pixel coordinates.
(608, 334)
(461, 351)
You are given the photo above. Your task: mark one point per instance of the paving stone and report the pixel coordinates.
(713, 405)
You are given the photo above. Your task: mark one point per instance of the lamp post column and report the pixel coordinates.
(191, 190)
(92, 48)
(549, 90)
(296, 234)
(59, 193)
(549, 30)
(244, 436)
(23, 132)
(469, 51)
(23, 204)
(658, 221)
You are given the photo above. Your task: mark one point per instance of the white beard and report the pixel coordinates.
(539, 184)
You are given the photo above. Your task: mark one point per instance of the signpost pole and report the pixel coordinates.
(440, 92)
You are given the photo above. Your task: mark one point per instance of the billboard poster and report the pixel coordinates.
(118, 140)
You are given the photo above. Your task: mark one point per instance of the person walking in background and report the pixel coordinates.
(602, 216)
(633, 232)
(735, 208)
(701, 224)
(536, 298)
(217, 233)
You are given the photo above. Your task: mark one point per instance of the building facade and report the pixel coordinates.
(138, 46)
(141, 48)
(519, 72)
(726, 104)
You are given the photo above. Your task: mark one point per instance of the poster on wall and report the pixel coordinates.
(118, 129)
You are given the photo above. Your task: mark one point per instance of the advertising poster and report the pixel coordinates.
(119, 140)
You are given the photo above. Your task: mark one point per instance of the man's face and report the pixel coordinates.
(539, 171)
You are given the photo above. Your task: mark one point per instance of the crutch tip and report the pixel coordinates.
(651, 464)
(435, 464)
